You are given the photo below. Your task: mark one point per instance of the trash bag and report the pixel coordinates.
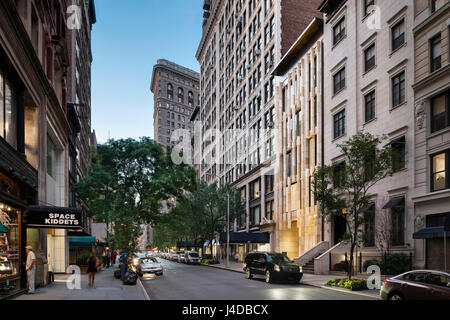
(117, 274)
(130, 278)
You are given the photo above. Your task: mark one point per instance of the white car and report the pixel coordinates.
(150, 266)
(180, 257)
(173, 256)
(191, 257)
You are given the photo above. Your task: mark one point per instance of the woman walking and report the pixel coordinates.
(92, 268)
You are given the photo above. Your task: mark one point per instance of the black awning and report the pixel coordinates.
(246, 237)
(447, 222)
(184, 244)
(429, 233)
(55, 217)
(395, 202)
(366, 208)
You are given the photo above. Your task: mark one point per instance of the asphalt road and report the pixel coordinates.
(196, 282)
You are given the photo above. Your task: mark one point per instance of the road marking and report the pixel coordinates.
(147, 297)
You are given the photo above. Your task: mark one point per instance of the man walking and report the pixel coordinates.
(108, 258)
(31, 268)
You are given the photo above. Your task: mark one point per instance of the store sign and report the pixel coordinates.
(54, 218)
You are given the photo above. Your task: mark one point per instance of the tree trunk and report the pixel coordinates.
(350, 265)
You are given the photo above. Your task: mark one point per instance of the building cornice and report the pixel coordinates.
(174, 68)
(432, 18)
(207, 30)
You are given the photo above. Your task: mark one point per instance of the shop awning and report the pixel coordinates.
(246, 237)
(447, 223)
(395, 202)
(429, 233)
(82, 241)
(183, 244)
(3, 228)
(206, 243)
(366, 208)
(55, 217)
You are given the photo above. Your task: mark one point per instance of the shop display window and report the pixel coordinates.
(9, 249)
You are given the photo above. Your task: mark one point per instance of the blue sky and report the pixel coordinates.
(127, 40)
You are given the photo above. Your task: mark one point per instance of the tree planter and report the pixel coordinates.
(353, 285)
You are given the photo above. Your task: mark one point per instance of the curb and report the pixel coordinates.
(147, 297)
(222, 268)
(351, 292)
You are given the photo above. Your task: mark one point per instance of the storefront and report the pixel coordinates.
(243, 242)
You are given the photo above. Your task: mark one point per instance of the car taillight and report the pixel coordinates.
(384, 281)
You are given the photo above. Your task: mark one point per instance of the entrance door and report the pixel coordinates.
(340, 227)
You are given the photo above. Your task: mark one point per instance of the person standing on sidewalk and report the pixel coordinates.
(113, 257)
(108, 258)
(31, 268)
(92, 268)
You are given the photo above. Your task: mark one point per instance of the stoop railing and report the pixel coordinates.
(312, 253)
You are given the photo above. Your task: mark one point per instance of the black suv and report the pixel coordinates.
(274, 266)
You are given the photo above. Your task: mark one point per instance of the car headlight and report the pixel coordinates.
(277, 268)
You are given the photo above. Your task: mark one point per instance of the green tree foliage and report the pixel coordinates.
(199, 215)
(128, 182)
(367, 162)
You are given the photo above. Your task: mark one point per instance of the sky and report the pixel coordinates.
(127, 40)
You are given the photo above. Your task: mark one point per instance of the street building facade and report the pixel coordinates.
(175, 94)
(35, 130)
(368, 78)
(242, 41)
(431, 85)
(298, 144)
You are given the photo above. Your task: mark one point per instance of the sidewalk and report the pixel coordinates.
(308, 279)
(106, 288)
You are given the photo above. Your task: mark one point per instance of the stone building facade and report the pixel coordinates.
(176, 94)
(242, 41)
(298, 146)
(368, 78)
(431, 201)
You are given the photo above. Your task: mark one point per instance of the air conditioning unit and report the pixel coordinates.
(249, 66)
(270, 63)
(257, 52)
(239, 78)
(271, 124)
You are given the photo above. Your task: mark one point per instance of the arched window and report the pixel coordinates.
(191, 99)
(170, 91)
(180, 95)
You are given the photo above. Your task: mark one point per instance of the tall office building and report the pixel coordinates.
(176, 94)
(242, 41)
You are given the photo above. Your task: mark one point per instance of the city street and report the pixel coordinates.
(197, 282)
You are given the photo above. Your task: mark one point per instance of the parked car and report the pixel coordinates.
(180, 257)
(417, 285)
(173, 256)
(274, 266)
(191, 257)
(150, 266)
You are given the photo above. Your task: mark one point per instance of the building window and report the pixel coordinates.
(398, 89)
(255, 216)
(269, 184)
(289, 164)
(398, 35)
(369, 57)
(369, 227)
(338, 174)
(191, 99)
(8, 112)
(367, 5)
(169, 91)
(436, 52)
(339, 124)
(339, 80)
(440, 112)
(398, 225)
(440, 171)
(255, 190)
(339, 31)
(180, 95)
(369, 103)
(269, 210)
(399, 152)
(437, 4)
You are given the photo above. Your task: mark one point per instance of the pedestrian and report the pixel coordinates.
(118, 257)
(108, 258)
(31, 268)
(113, 257)
(92, 268)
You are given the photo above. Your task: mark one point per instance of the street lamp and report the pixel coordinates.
(228, 223)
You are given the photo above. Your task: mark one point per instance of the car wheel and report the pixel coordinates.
(395, 296)
(268, 276)
(248, 274)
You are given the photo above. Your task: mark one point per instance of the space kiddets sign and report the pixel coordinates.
(54, 217)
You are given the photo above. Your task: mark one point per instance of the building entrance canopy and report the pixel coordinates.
(246, 237)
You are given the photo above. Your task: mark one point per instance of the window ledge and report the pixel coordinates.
(337, 43)
(370, 121)
(438, 133)
(338, 138)
(337, 93)
(370, 69)
(398, 49)
(398, 106)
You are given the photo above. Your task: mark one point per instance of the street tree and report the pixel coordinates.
(345, 190)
